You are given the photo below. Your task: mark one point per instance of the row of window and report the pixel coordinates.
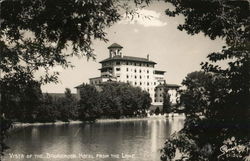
(128, 63)
(138, 70)
(141, 83)
(136, 64)
(119, 69)
(136, 77)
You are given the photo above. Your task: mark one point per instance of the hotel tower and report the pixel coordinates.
(136, 71)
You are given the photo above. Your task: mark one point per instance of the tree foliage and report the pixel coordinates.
(167, 106)
(89, 108)
(69, 106)
(5, 124)
(53, 108)
(16, 93)
(216, 100)
(39, 35)
(112, 100)
(35, 34)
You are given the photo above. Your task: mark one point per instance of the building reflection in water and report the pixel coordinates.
(143, 138)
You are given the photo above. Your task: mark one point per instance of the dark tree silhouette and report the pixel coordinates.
(35, 35)
(217, 101)
(167, 106)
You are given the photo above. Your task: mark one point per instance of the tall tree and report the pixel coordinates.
(89, 108)
(222, 133)
(47, 110)
(16, 93)
(166, 101)
(68, 109)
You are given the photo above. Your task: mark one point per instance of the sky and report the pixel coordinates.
(173, 50)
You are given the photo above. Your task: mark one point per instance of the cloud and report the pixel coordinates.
(146, 18)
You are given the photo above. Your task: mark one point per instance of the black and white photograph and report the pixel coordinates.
(125, 80)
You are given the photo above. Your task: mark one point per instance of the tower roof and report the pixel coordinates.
(115, 45)
(128, 58)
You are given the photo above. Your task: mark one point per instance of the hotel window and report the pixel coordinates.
(140, 71)
(134, 64)
(147, 76)
(148, 90)
(160, 95)
(135, 77)
(140, 76)
(155, 100)
(160, 100)
(135, 70)
(140, 83)
(140, 64)
(160, 89)
(118, 69)
(126, 63)
(147, 65)
(135, 83)
(147, 83)
(118, 63)
(127, 69)
(127, 76)
(147, 71)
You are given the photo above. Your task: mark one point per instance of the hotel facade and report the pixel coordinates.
(139, 72)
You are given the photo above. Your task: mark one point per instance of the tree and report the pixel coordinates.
(121, 99)
(196, 95)
(5, 124)
(157, 111)
(67, 106)
(71, 104)
(112, 100)
(47, 111)
(89, 108)
(16, 91)
(220, 95)
(166, 101)
(145, 103)
(35, 35)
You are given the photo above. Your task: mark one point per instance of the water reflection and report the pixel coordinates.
(142, 138)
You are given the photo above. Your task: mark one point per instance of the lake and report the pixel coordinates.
(102, 141)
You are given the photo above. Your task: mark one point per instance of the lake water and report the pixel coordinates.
(139, 140)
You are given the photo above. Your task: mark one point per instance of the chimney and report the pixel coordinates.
(148, 56)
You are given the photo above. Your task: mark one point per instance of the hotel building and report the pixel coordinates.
(136, 71)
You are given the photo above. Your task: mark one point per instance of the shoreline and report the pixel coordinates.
(19, 124)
